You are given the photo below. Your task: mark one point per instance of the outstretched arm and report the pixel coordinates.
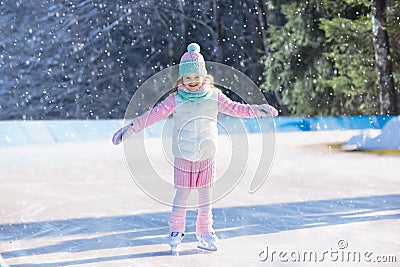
(231, 108)
(159, 112)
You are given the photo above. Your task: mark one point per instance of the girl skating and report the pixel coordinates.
(194, 104)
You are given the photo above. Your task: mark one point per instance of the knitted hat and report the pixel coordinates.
(192, 61)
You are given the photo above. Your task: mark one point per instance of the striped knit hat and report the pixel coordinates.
(192, 61)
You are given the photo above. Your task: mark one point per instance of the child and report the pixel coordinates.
(194, 103)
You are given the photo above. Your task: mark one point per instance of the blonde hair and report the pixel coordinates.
(208, 78)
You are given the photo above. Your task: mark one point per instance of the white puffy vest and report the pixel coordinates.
(195, 135)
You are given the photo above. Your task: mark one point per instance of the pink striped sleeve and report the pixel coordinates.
(231, 108)
(159, 112)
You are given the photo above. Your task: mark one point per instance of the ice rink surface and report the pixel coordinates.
(75, 204)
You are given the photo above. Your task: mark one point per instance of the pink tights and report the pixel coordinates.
(204, 216)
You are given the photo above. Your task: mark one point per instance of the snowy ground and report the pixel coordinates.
(388, 138)
(75, 204)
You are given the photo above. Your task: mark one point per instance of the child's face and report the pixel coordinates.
(193, 81)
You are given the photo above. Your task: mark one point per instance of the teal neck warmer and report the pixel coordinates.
(199, 95)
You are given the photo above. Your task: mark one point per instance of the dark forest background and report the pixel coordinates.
(85, 59)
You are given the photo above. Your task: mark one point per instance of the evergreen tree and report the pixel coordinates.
(296, 62)
(344, 80)
(347, 28)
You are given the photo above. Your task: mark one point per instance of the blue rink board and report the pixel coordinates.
(47, 132)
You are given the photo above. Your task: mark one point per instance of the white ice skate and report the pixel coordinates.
(208, 241)
(174, 240)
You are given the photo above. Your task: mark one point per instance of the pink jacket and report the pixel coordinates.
(225, 105)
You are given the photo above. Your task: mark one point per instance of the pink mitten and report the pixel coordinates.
(266, 110)
(122, 134)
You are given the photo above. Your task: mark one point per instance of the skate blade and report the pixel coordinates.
(174, 250)
(208, 248)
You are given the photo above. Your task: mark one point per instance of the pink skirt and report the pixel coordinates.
(194, 174)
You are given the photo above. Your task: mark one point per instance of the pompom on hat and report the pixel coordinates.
(192, 61)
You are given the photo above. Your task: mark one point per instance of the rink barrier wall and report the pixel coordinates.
(50, 132)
